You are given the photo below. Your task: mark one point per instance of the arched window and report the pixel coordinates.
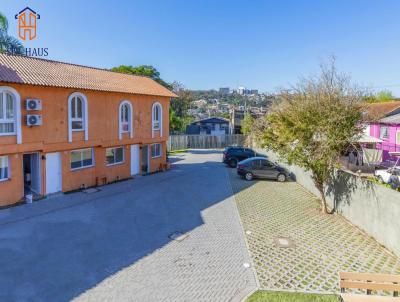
(125, 119)
(10, 115)
(77, 114)
(157, 118)
(7, 113)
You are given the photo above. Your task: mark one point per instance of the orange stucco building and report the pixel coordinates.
(64, 127)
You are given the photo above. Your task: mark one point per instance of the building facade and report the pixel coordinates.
(209, 126)
(65, 127)
(382, 121)
(388, 130)
(236, 116)
(224, 90)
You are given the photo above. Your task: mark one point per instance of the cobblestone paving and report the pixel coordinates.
(208, 265)
(322, 245)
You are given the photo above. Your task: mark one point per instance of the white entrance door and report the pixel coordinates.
(53, 173)
(135, 160)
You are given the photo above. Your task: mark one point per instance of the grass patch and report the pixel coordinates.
(271, 296)
(177, 151)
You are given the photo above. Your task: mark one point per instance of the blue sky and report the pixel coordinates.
(212, 43)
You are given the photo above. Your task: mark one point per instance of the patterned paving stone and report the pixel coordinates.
(323, 244)
(207, 265)
(115, 245)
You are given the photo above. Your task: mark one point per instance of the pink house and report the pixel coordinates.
(385, 125)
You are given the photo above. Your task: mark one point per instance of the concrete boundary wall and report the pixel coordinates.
(372, 207)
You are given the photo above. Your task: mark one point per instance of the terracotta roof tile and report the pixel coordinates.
(376, 111)
(34, 71)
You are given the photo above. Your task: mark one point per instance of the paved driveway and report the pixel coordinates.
(318, 246)
(114, 245)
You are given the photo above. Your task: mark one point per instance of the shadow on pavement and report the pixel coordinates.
(68, 244)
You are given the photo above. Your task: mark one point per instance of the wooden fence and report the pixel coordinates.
(179, 142)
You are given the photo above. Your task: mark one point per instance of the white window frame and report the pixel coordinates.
(74, 103)
(381, 133)
(125, 112)
(8, 168)
(398, 137)
(154, 122)
(17, 113)
(115, 162)
(367, 129)
(84, 116)
(151, 150)
(83, 167)
(4, 119)
(130, 119)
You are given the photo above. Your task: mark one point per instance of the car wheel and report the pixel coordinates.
(281, 177)
(232, 163)
(249, 176)
(380, 180)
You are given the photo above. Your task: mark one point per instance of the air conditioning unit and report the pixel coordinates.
(33, 104)
(33, 120)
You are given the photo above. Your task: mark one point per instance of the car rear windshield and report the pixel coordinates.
(246, 161)
(234, 149)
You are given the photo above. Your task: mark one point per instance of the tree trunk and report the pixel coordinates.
(320, 187)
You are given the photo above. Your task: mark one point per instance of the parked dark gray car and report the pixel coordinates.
(260, 167)
(233, 155)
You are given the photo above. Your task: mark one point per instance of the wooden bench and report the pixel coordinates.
(369, 282)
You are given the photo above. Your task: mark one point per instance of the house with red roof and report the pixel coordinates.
(65, 127)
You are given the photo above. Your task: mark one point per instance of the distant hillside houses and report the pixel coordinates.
(240, 90)
(200, 103)
(221, 103)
